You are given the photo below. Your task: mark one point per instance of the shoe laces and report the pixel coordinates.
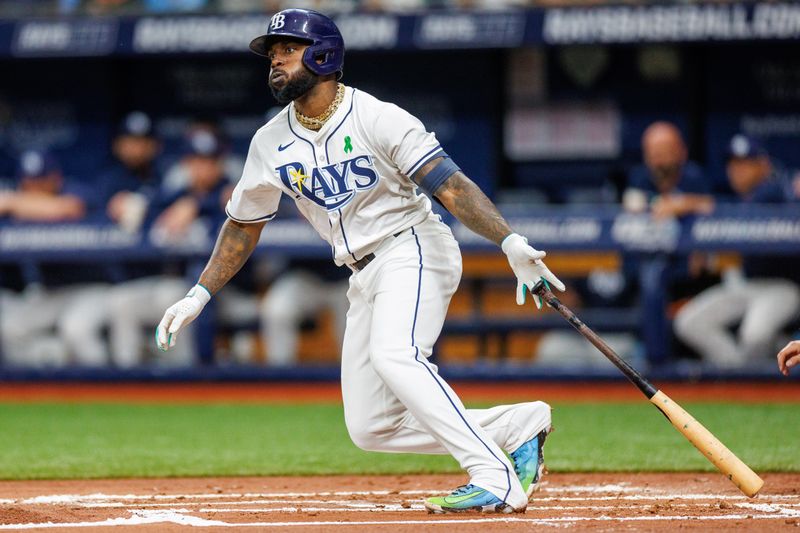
(463, 489)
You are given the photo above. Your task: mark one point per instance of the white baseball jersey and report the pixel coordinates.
(350, 179)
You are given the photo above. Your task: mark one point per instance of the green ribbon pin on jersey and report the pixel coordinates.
(348, 147)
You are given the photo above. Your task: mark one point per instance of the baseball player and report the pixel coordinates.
(353, 164)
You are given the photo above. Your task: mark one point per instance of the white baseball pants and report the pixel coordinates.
(761, 306)
(293, 297)
(394, 399)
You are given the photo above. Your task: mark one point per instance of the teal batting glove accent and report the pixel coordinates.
(206, 289)
(155, 336)
(169, 340)
(537, 298)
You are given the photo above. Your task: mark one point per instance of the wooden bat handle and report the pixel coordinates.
(739, 473)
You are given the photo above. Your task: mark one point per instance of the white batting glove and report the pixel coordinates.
(526, 262)
(179, 315)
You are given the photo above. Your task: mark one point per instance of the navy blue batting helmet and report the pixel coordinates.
(325, 53)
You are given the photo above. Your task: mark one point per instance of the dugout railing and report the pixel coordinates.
(573, 237)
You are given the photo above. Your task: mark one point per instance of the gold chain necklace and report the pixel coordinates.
(315, 123)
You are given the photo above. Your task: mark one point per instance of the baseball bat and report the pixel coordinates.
(726, 462)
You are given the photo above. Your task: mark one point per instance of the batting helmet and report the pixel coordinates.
(325, 54)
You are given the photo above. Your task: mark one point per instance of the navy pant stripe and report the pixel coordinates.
(436, 379)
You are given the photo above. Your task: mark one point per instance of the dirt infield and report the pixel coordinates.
(594, 502)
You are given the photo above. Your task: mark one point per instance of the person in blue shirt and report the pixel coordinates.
(131, 182)
(180, 216)
(203, 198)
(43, 194)
(43, 325)
(759, 299)
(668, 183)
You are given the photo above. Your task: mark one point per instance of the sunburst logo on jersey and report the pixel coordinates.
(331, 186)
(298, 178)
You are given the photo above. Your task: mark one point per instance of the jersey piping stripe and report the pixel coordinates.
(248, 220)
(352, 101)
(436, 379)
(289, 120)
(327, 157)
(314, 153)
(422, 160)
(346, 244)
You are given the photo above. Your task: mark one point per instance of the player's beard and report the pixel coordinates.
(295, 87)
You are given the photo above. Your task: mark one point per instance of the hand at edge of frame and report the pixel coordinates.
(789, 357)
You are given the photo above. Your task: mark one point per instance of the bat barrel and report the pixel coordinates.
(710, 446)
(737, 471)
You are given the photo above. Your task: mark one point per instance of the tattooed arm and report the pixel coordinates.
(471, 207)
(468, 204)
(235, 243)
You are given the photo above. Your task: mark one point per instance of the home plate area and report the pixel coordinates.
(608, 501)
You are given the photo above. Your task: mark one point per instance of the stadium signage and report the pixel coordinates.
(741, 230)
(65, 238)
(469, 30)
(552, 231)
(193, 34)
(196, 34)
(369, 32)
(606, 230)
(64, 38)
(669, 23)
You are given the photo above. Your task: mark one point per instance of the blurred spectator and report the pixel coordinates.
(177, 176)
(203, 198)
(174, 6)
(569, 349)
(131, 320)
(301, 293)
(43, 325)
(101, 7)
(42, 193)
(762, 299)
(668, 184)
(131, 183)
(135, 304)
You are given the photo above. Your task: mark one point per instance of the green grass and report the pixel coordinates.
(45, 441)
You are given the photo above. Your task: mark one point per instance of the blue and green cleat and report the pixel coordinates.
(469, 498)
(529, 463)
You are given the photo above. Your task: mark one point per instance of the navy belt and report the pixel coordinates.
(362, 263)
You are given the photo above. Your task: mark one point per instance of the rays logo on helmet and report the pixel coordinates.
(332, 186)
(278, 21)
